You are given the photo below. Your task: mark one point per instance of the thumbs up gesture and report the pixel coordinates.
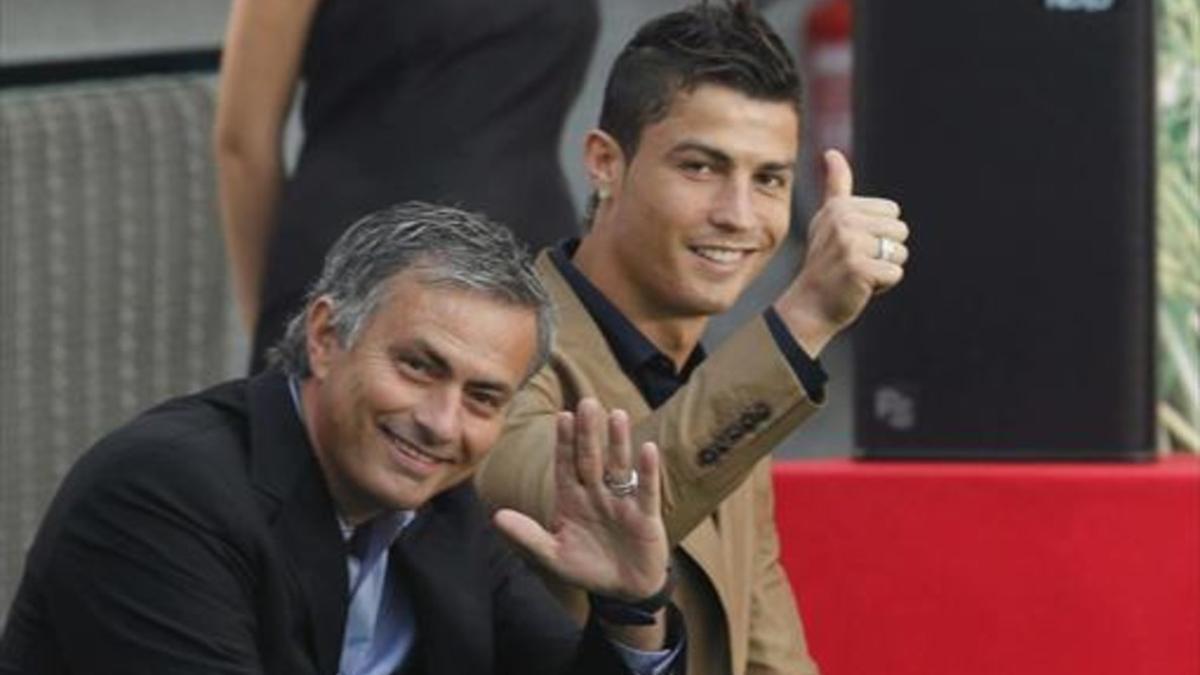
(855, 251)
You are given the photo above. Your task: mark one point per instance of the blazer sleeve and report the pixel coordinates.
(535, 636)
(777, 642)
(736, 407)
(139, 576)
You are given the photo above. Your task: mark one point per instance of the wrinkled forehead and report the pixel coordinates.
(472, 332)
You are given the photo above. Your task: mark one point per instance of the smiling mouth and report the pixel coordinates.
(411, 450)
(721, 254)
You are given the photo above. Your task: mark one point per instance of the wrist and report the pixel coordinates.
(637, 612)
(807, 328)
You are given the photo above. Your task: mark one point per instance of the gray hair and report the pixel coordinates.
(448, 246)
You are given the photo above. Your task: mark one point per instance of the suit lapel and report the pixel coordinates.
(289, 480)
(580, 337)
(451, 596)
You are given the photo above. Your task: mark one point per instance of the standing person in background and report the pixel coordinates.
(693, 166)
(456, 101)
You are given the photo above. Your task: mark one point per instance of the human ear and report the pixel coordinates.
(321, 338)
(605, 163)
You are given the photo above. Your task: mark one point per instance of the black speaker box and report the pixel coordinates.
(1017, 136)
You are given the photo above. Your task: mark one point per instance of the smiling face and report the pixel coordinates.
(700, 208)
(414, 404)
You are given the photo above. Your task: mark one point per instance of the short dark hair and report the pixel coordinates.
(730, 45)
(447, 246)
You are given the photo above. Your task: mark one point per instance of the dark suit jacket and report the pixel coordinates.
(201, 538)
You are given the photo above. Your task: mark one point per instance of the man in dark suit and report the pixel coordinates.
(318, 518)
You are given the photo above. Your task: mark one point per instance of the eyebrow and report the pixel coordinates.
(722, 157)
(425, 351)
(502, 391)
(704, 149)
(444, 368)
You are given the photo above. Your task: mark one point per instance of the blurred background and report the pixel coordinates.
(113, 285)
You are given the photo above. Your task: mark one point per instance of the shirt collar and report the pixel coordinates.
(371, 539)
(634, 351)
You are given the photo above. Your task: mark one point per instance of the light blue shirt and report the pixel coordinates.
(380, 622)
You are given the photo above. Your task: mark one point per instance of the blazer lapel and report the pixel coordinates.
(450, 595)
(287, 475)
(581, 337)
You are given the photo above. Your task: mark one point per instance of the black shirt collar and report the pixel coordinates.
(650, 369)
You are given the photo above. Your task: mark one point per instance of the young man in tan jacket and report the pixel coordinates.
(692, 167)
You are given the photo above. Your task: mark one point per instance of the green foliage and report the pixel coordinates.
(1178, 203)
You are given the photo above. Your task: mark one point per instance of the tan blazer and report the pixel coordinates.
(715, 435)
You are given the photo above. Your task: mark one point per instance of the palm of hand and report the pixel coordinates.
(609, 544)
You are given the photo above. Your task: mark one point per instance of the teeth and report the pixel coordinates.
(417, 454)
(721, 255)
(412, 451)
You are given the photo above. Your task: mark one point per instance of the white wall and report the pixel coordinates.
(36, 30)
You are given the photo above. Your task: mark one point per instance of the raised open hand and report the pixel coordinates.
(607, 535)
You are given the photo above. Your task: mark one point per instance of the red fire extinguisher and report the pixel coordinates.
(827, 65)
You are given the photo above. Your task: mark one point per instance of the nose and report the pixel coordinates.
(732, 207)
(438, 416)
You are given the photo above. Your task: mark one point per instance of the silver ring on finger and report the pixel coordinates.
(621, 488)
(886, 248)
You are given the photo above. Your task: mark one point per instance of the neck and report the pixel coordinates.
(348, 509)
(677, 338)
(674, 335)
